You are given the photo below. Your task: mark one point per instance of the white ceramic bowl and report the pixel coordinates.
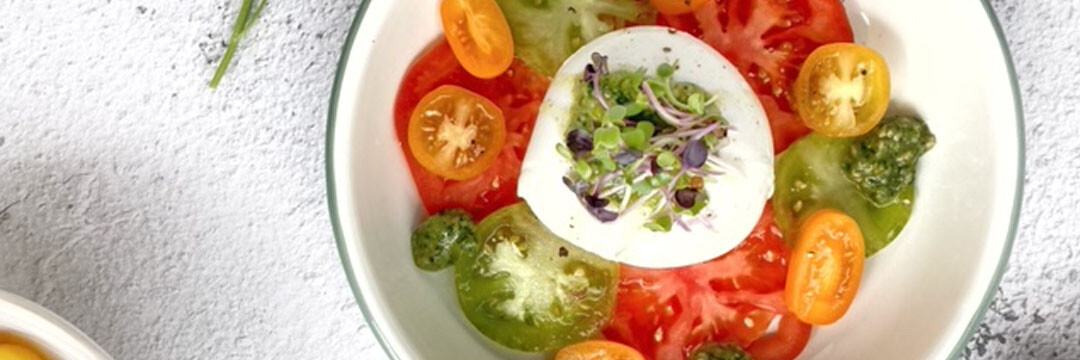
(920, 298)
(46, 330)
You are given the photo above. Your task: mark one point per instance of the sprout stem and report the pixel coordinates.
(244, 22)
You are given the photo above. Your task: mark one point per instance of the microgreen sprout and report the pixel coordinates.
(639, 141)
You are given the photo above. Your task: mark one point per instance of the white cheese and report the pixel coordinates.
(737, 197)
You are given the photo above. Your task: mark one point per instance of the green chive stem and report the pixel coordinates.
(244, 22)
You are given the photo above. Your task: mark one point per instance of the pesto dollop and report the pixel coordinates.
(882, 162)
(440, 239)
(714, 351)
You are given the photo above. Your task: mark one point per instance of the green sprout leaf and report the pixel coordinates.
(665, 70)
(696, 102)
(647, 128)
(583, 169)
(660, 224)
(642, 188)
(607, 137)
(666, 160)
(564, 151)
(635, 108)
(615, 114)
(607, 164)
(634, 138)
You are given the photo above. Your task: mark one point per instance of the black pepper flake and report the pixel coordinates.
(672, 31)
(667, 49)
(563, 252)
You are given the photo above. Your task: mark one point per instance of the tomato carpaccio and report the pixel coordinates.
(666, 314)
(518, 93)
(768, 40)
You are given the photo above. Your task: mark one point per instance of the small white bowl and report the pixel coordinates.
(920, 298)
(49, 332)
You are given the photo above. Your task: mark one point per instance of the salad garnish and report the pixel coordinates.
(244, 21)
(639, 140)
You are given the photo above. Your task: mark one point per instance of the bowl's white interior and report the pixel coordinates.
(917, 297)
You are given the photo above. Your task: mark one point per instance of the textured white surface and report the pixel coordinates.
(166, 220)
(173, 222)
(1036, 314)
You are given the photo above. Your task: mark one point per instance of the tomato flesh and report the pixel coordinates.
(826, 267)
(676, 7)
(479, 36)
(843, 90)
(810, 177)
(768, 40)
(456, 133)
(598, 350)
(665, 314)
(528, 289)
(517, 92)
(786, 344)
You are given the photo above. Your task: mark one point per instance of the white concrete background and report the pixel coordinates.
(173, 222)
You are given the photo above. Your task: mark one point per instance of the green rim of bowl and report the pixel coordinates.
(331, 192)
(958, 349)
(1018, 105)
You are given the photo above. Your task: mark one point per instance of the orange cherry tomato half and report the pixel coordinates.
(677, 7)
(842, 90)
(456, 133)
(598, 350)
(479, 36)
(825, 268)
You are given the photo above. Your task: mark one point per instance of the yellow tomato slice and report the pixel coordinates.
(677, 7)
(598, 350)
(17, 352)
(456, 133)
(842, 90)
(479, 36)
(825, 268)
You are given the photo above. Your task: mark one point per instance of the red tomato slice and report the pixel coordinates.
(517, 92)
(768, 40)
(665, 314)
(786, 344)
(682, 22)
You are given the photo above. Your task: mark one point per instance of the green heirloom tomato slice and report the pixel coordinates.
(529, 290)
(810, 177)
(546, 32)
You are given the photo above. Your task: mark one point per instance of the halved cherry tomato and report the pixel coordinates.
(518, 93)
(598, 350)
(676, 7)
(842, 90)
(826, 266)
(479, 35)
(456, 133)
(786, 344)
